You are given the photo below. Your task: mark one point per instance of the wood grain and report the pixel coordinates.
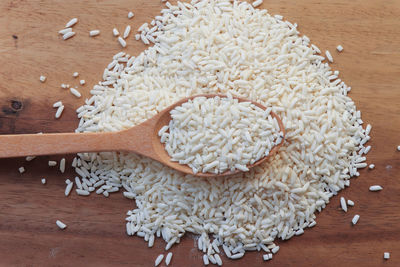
(370, 63)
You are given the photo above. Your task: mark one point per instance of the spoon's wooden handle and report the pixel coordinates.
(59, 143)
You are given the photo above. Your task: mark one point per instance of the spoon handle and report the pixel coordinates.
(58, 143)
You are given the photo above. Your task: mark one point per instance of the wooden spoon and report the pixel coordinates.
(142, 139)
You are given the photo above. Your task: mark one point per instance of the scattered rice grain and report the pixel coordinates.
(329, 56)
(71, 23)
(93, 33)
(355, 219)
(75, 92)
(68, 35)
(121, 42)
(52, 163)
(61, 225)
(374, 188)
(21, 170)
(158, 259)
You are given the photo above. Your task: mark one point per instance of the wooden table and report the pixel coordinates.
(30, 47)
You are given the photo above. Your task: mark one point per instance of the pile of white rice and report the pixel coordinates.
(220, 47)
(219, 134)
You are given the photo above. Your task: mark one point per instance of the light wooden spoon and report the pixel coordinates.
(142, 139)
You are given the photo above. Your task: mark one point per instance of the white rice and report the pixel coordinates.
(355, 219)
(57, 104)
(374, 188)
(218, 259)
(75, 92)
(168, 258)
(115, 32)
(204, 47)
(151, 241)
(350, 202)
(158, 260)
(21, 170)
(93, 33)
(75, 74)
(127, 32)
(299, 232)
(30, 158)
(130, 15)
(339, 48)
(82, 82)
(386, 255)
(266, 257)
(64, 31)
(212, 259)
(329, 56)
(68, 35)
(316, 49)
(68, 188)
(82, 192)
(62, 165)
(42, 78)
(257, 3)
(52, 163)
(59, 112)
(121, 42)
(343, 204)
(43, 181)
(237, 256)
(61, 225)
(371, 166)
(275, 250)
(71, 23)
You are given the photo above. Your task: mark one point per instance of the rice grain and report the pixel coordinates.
(343, 204)
(115, 32)
(52, 163)
(168, 258)
(127, 31)
(68, 188)
(93, 33)
(121, 42)
(375, 188)
(71, 23)
(329, 56)
(158, 260)
(59, 112)
(355, 219)
(61, 225)
(62, 165)
(68, 35)
(75, 92)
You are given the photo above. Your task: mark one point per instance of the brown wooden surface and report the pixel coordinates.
(370, 63)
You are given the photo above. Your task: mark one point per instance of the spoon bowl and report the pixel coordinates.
(164, 118)
(142, 139)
